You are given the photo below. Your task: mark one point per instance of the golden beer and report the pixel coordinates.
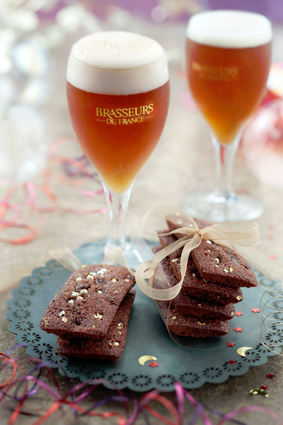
(228, 61)
(118, 133)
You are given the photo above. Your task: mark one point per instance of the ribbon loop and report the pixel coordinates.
(243, 234)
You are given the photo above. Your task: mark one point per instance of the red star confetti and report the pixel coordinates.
(255, 310)
(264, 387)
(153, 364)
(238, 313)
(231, 361)
(238, 329)
(269, 236)
(271, 226)
(230, 344)
(273, 256)
(270, 375)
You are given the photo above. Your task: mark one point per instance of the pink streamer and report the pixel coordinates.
(250, 408)
(180, 397)
(197, 405)
(92, 193)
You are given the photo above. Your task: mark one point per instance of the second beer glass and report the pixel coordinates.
(228, 61)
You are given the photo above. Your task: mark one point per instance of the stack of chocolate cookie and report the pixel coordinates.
(90, 314)
(211, 287)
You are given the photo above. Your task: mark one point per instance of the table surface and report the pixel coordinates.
(183, 161)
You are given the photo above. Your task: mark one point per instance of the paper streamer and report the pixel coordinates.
(11, 211)
(20, 387)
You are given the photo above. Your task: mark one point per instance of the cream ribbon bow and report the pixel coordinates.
(242, 234)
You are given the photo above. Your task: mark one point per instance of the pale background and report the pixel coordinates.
(182, 161)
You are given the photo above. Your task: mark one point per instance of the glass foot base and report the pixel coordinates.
(135, 250)
(215, 208)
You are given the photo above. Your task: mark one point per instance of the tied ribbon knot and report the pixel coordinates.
(242, 234)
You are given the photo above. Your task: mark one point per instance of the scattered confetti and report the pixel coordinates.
(270, 375)
(238, 313)
(269, 236)
(264, 387)
(145, 358)
(273, 256)
(153, 364)
(230, 344)
(258, 391)
(242, 351)
(238, 329)
(255, 310)
(231, 361)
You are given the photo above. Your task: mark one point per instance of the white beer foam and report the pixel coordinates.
(229, 28)
(117, 62)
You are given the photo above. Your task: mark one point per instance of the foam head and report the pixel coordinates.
(114, 62)
(230, 29)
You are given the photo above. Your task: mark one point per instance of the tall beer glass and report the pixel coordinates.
(228, 60)
(118, 95)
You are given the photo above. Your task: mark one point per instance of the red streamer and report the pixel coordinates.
(17, 411)
(30, 190)
(154, 395)
(12, 362)
(32, 233)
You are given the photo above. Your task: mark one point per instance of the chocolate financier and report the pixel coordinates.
(88, 302)
(219, 263)
(183, 325)
(110, 347)
(191, 306)
(197, 287)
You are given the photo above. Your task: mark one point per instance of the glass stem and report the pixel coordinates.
(117, 204)
(224, 158)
